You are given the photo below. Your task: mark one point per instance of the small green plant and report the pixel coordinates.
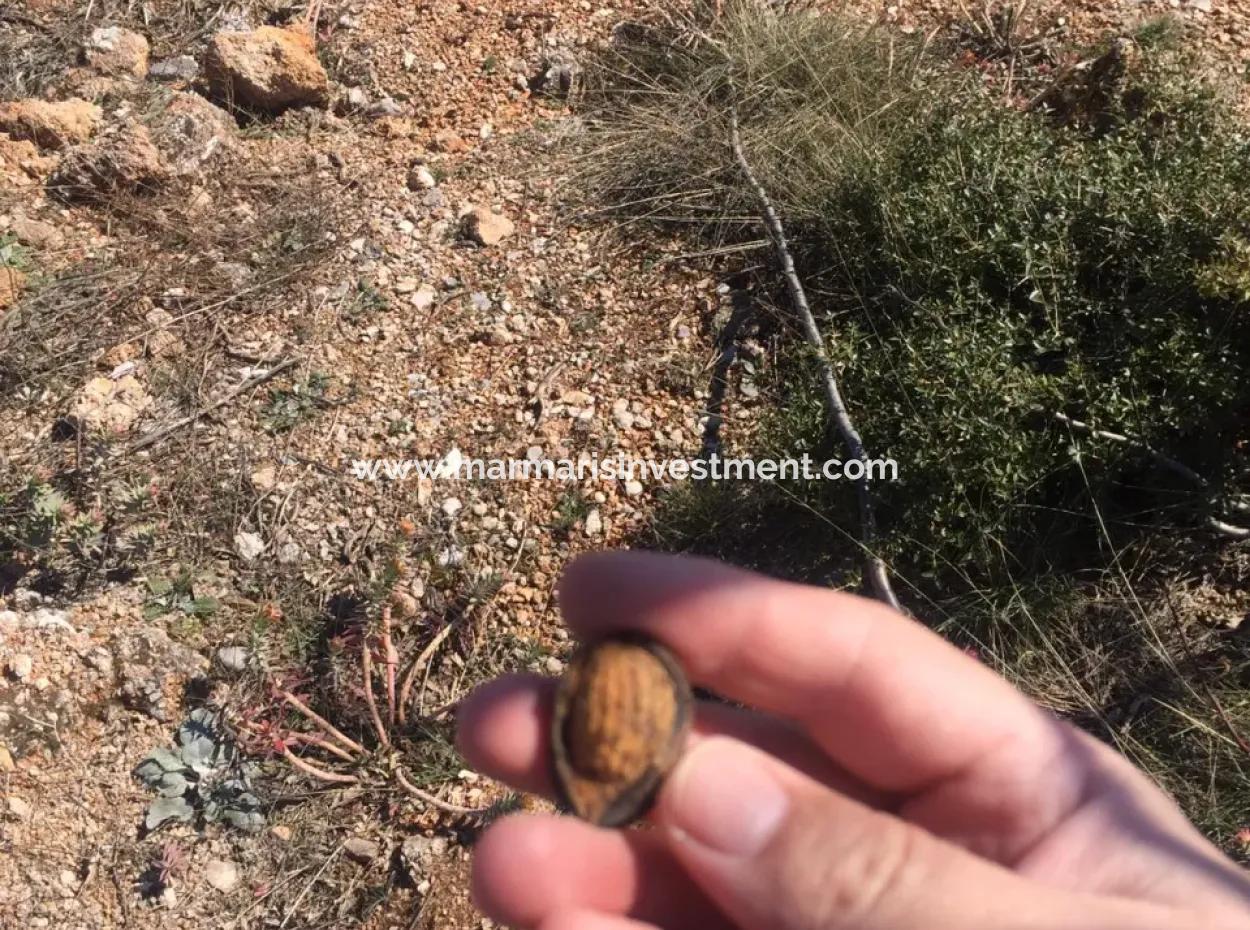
(366, 299)
(202, 779)
(12, 254)
(289, 407)
(571, 508)
(177, 594)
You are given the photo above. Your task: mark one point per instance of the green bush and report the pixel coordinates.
(996, 270)
(978, 270)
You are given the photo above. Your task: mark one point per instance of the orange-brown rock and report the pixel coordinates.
(622, 714)
(486, 227)
(124, 162)
(115, 51)
(269, 69)
(21, 163)
(50, 125)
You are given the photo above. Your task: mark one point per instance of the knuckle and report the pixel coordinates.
(868, 876)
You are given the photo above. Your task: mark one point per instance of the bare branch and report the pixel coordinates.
(1177, 468)
(877, 575)
(434, 802)
(158, 435)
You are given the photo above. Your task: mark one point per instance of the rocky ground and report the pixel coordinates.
(238, 251)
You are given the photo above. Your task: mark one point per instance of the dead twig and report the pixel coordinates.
(156, 436)
(1165, 461)
(405, 691)
(427, 798)
(391, 657)
(878, 577)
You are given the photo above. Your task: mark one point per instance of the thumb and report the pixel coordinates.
(778, 851)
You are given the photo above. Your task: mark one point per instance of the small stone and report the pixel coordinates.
(36, 233)
(222, 875)
(486, 227)
(383, 108)
(423, 299)
(19, 808)
(264, 478)
(480, 300)
(419, 854)
(404, 604)
(553, 665)
(421, 178)
(362, 850)
(20, 666)
(178, 68)
(452, 506)
(6, 760)
(281, 832)
(594, 523)
(633, 488)
(233, 658)
(449, 141)
(249, 546)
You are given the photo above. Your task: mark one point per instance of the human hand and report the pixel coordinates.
(884, 781)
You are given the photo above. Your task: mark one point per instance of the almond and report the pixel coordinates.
(622, 713)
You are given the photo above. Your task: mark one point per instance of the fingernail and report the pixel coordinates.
(723, 796)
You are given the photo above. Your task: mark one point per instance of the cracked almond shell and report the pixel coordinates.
(622, 713)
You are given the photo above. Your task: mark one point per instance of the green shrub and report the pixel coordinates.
(977, 269)
(995, 271)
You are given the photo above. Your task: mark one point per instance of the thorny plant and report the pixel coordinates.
(341, 759)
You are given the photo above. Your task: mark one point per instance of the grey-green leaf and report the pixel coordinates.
(172, 785)
(155, 765)
(163, 810)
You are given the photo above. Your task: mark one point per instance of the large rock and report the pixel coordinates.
(50, 125)
(115, 51)
(151, 670)
(190, 132)
(269, 69)
(126, 162)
